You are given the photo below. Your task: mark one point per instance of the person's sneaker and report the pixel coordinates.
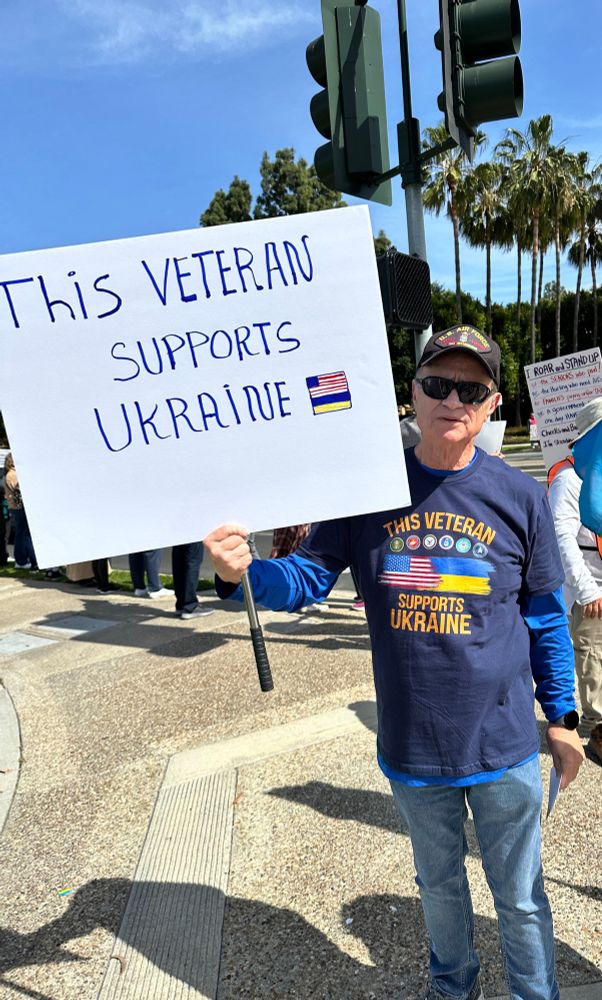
(197, 612)
(23, 565)
(358, 604)
(140, 593)
(476, 993)
(314, 607)
(595, 743)
(163, 592)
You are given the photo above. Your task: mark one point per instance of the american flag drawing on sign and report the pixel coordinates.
(329, 392)
(416, 572)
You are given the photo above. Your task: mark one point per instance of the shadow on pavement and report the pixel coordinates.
(139, 626)
(267, 951)
(591, 891)
(326, 632)
(366, 713)
(360, 805)
(364, 806)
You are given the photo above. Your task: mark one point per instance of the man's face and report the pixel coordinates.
(449, 420)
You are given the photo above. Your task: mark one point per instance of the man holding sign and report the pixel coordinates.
(463, 601)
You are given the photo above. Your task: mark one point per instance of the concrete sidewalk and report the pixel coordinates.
(214, 842)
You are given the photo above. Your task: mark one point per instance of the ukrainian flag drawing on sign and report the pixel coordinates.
(329, 392)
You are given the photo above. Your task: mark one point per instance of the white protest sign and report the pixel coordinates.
(155, 387)
(558, 389)
(491, 436)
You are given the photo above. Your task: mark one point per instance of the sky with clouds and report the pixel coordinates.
(123, 117)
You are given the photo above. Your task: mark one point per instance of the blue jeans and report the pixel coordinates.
(506, 816)
(145, 564)
(23, 550)
(185, 566)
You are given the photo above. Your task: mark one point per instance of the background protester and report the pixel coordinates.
(100, 568)
(144, 570)
(581, 552)
(25, 557)
(287, 540)
(4, 522)
(185, 566)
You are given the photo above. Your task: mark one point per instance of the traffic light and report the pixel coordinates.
(478, 85)
(350, 111)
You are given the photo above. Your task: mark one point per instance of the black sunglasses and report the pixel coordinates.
(437, 387)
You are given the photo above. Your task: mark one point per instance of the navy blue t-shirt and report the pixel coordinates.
(443, 581)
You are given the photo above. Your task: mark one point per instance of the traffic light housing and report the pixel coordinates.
(350, 111)
(405, 286)
(478, 85)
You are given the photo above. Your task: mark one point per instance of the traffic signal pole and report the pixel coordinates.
(482, 81)
(408, 134)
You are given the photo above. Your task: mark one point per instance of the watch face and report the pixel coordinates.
(571, 720)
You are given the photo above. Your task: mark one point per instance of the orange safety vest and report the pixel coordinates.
(563, 464)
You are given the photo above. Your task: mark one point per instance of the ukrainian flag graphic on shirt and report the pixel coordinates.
(443, 574)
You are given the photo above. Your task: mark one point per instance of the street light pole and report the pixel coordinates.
(408, 135)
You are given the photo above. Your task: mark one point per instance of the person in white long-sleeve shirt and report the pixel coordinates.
(582, 562)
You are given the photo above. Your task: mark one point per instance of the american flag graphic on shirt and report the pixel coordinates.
(329, 392)
(414, 572)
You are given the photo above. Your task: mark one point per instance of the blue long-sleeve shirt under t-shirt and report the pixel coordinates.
(462, 594)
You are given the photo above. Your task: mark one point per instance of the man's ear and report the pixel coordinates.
(494, 401)
(413, 390)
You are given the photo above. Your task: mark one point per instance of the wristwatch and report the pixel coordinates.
(568, 721)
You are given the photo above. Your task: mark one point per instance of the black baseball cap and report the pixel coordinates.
(465, 338)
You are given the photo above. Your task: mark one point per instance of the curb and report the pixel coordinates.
(10, 753)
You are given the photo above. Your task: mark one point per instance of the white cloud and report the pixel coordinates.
(131, 30)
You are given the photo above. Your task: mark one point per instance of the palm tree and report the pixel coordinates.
(590, 252)
(483, 223)
(527, 157)
(587, 191)
(546, 236)
(443, 187)
(562, 204)
(514, 219)
(593, 252)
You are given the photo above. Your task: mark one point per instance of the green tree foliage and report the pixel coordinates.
(444, 309)
(403, 363)
(231, 206)
(550, 289)
(381, 243)
(290, 187)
